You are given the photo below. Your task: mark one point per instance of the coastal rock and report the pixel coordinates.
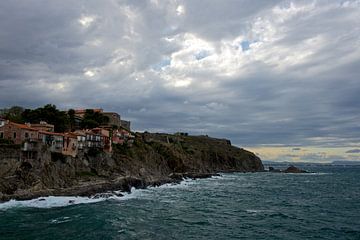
(271, 169)
(293, 169)
(152, 160)
(290, 169)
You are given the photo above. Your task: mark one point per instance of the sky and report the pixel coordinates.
(281, 78)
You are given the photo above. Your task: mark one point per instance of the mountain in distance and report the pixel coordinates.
(339, 162)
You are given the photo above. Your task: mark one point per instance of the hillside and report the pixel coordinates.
(153, 159)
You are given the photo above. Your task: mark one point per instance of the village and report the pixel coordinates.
(35, 136)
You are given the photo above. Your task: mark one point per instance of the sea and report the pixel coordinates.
(323, 204)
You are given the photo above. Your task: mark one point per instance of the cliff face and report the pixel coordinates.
(152, 159)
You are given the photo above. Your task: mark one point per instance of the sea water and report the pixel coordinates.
(324, 204)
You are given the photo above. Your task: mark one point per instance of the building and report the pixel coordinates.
(79, 115)
(53, 140)
(93, 140)
(81, 112)
(81, 139)
(105, 138)
(2, 122)
(121, 136)
(70, 144)
(18, 133)
(125, 124)
(43, 126)
(114, 119)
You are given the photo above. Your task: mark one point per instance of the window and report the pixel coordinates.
(1, 135)
(14, 135)
(26, 135)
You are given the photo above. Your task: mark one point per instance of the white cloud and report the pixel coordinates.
(180, 10)
(86, 21)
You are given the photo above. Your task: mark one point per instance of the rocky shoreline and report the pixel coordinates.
(153, 160)
(93, 189)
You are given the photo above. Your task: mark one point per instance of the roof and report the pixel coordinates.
(51, 133)
(79, 133)
(23, 126)
(71, 135)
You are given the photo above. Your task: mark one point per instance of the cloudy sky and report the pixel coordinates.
(281, 78)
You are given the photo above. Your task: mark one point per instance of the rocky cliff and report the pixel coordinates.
(151, 160)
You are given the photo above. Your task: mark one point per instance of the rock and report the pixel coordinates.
(146, 163)
(271, 169)
(293, 169)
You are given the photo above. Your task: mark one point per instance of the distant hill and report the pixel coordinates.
(346, 162)
(343, 162)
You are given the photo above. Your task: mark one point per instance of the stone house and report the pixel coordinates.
(18, 133)
(125, 124)
(114, 119)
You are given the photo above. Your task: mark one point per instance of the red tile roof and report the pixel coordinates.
(23, 126)
(51, 133)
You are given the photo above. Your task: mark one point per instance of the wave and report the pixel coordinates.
(49, 202)
(64, 201)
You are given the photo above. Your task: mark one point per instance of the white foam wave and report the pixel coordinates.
(63, 201)
(183, 184)
(310, 173)
(60, 220)
(49, 202)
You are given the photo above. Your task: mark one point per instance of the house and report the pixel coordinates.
(81, 139)
(121, 136)
(18, 133)
(2, 122)
(43, 126)
(70, 144)
(105, 138)
(118, 137)
(93, 140)
(54, 140)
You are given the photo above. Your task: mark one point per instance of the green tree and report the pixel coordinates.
(93, 119)
(50, 114)
(71, 114)
(14, 114)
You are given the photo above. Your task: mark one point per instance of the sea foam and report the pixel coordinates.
(63, 201)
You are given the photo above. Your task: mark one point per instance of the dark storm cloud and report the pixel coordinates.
(180, 65)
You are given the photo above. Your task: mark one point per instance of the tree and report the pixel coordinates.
(50, 114)
(14, 114)
(93, 119)
(71, 114)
